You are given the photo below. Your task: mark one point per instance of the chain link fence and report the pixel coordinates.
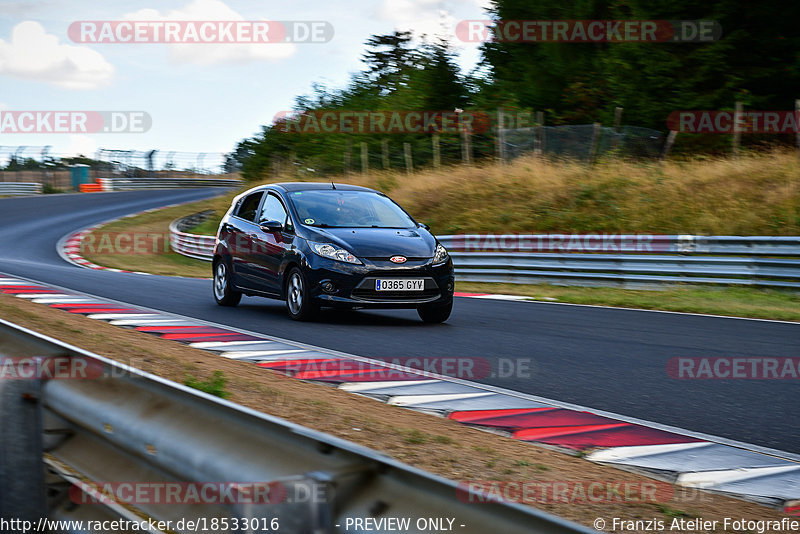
(585, 142)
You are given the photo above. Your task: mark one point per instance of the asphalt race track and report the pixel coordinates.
(613, 360)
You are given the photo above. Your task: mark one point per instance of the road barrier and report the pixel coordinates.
(199, 247)
(20, 188)
(66, 439)
(128, 184)
(764, 261)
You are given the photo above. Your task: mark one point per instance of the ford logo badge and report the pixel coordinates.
(398, 259)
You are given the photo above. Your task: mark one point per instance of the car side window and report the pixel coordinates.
(249, 206)
(273, 210)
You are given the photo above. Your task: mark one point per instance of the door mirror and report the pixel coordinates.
(423, 225)
(271, 226)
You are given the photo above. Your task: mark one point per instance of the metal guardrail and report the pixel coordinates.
(118, 424)
(671, 259)
(605, 270)
(128, 184)
(625, 244)
(199, 247)
(20, 188)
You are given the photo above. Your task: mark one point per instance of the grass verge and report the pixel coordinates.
(731, 301)
(436, 445)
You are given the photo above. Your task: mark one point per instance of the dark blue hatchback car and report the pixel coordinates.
(330, 245)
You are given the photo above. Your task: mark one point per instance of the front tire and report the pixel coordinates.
(298, 297)
(224, 293)
(435, 313)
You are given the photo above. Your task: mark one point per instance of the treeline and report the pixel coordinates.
(756, 61)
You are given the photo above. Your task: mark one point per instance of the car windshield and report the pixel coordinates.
(348, 209)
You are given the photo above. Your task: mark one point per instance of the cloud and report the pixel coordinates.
(23, 8)
(33, 54)
(81, 145)
(430, 17)
(207, 53)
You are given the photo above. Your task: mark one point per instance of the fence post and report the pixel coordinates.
(385, 153)
(437, 155)
(364, 158)
(668, 145)
(796, 120)
(737, 132)
(466, 146)
(538, 140)
(597, 128)
(617, 125)
(500, 137)
(409, 162)
(347, 153)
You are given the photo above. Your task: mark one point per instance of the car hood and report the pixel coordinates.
(378, 242)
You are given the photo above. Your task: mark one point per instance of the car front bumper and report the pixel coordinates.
(338, 284)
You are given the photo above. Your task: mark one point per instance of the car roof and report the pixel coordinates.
(317, 186)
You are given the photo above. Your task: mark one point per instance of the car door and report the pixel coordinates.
(242, 228)
(270, 246)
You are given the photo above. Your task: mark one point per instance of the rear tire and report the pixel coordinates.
(224, 293)
(298, 297)
(432, 314)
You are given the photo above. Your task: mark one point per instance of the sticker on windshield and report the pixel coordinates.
(309, 221)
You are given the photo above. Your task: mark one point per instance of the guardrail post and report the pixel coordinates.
(22, 488)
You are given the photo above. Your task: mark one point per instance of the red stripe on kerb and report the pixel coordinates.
(471, 415)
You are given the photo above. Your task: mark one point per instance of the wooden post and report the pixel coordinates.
(796, 121)
(500, 138)
(348, 150)
(409, 162)
(539, 141)
(276, 166)
(617, 126)
(437, 155)
(595, 141)
(668, 145)
(364, 158)
(466, 146)
(737, 133)
(385, 153)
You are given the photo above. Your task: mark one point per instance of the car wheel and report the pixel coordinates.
(298, 297)
(435, 313)
(224, 293)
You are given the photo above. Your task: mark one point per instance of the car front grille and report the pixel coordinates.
(366, 290)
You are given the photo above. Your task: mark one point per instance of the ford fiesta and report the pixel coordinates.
(330, 245)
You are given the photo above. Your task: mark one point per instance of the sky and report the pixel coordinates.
(198, 97)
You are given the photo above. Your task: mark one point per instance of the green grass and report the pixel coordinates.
(209, 226)
(214, 385)
(733, 301)
(167, 264)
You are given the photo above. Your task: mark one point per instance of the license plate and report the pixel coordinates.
(400, 284)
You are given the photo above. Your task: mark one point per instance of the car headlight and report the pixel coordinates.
(441, 255)
(326, 250)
